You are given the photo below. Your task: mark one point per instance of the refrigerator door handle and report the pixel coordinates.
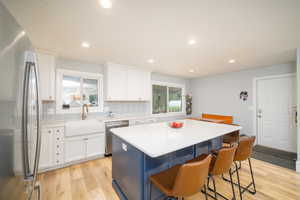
(38, 123)
(27, 174)
(25, 122)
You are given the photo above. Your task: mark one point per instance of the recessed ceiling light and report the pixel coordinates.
(231, 61)
(192, 42)
(151, 61)
(85, 45)
(106, 3)
(191, 70)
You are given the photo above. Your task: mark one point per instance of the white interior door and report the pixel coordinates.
(276, 112)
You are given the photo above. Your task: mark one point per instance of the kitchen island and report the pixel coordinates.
(140, 151)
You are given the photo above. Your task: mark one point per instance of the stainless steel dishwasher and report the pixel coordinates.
(108, 134)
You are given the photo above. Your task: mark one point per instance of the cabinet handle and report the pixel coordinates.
(57, 161)
(57, 153)
(57, 131)
(49, 131)
(50, 97)
(57, 146)
(57, 138)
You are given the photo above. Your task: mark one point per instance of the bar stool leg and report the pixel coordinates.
(205, 192)
(239, 183)
(232, 186)
(252, 177)
(214, 184)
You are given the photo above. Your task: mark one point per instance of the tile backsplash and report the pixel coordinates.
(138, 108)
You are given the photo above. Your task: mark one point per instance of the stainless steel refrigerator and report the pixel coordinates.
(19, 112)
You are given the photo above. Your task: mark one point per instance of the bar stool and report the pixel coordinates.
(243, 153)
(182, 180)
(221, 163)
(231, 138)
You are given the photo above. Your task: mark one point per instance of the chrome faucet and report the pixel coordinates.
(85, 110)
(110, 114)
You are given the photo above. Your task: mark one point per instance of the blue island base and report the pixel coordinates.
(131, 167)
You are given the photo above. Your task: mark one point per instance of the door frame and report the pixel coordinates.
(255, 80)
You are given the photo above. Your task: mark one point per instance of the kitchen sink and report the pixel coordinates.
(82, 127)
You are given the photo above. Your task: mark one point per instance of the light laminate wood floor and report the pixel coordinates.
(92, 181)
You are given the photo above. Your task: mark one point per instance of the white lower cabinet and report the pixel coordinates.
(77, 148)
(95, 145)
(47, 146)
(58, 150)
(74, 149)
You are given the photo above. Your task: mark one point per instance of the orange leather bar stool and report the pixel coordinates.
(221, 163)
(243, 153)
(183, 180)
(232, 138)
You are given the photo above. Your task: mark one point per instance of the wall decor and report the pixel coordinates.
(244, 95)
(188, 101)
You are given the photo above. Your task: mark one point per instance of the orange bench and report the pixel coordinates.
(230, 138)
(227, 119)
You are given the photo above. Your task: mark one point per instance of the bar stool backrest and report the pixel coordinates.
(223, 161)
(191, 177)
(244, 149)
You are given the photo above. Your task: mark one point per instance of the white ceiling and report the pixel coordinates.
(254, 32)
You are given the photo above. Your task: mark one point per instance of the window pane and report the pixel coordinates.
(175, 99)
(90, 92)
(71, 92)
(159, 99)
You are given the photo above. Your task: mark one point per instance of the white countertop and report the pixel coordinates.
(54, 122)
(159, 139)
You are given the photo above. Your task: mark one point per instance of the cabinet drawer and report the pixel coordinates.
(58, 134)
(59, 153)
(59, 147)
(59, 159)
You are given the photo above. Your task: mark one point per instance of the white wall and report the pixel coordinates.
(170, 79)
(219, 94)
(79, 66)
(298, 107)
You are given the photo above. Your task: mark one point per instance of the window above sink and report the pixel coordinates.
(75, 88)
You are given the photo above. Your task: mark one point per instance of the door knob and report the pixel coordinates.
(259, 113)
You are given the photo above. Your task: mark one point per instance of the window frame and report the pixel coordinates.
(83, 75)
(167, 84)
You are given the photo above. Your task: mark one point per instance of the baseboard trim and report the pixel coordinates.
(67, 164)
(298, 166)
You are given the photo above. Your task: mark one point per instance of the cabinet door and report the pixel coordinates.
(116, 83)
(47, 76)
(134, 85)
(46, 156)
(95, 145)
(75, 149)
(145, 86)
(58, 153)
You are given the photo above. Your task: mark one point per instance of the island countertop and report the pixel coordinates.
(159, 139)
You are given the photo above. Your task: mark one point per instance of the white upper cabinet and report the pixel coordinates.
(116, 83)
(125, 83)
(47, 76)
(145, 86)
(134, 85)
